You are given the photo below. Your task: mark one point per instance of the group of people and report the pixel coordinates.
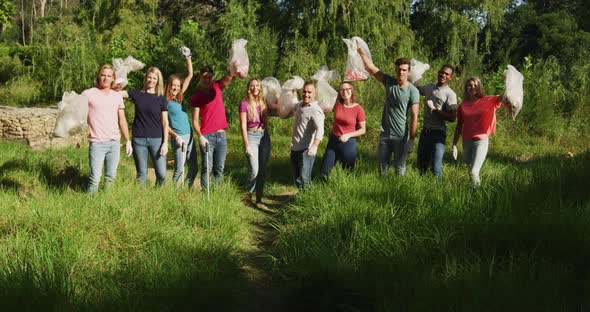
(159, 114)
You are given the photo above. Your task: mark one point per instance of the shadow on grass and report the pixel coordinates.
(182, 280)
(62, 176)
(507, 247)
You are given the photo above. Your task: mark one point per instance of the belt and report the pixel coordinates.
(256, 130)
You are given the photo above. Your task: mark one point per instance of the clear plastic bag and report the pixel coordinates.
(355, 68)
(124, 67)
(73, 114)
(417, 70)
(238, 59)
(288, 99)
(271, 88)
(326, 95)
(514, 92)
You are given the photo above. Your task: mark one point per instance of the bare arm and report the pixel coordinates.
(244, 127)
(449, 116)
(370, 66)
(226, 80)
(123, 123)
(360, 131)
(196, 123)
(414, 120)
(189, 74)
(458, 131)
(124, 94)
(166, 127)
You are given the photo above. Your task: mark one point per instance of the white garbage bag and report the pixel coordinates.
(325, 94)
(355, 68)
(124, 67)
(417, 70)
(238, 59)
(271, 88)
(514, 92)
(288, 99)
(73, 114)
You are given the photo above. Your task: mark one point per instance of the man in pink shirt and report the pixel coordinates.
(105, 117)
(209, 122)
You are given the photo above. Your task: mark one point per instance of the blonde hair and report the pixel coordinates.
(159, 85)
(103, 67)
(180, 96)
(480, 92)
(255, 101)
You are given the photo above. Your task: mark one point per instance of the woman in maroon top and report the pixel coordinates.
(349, 123)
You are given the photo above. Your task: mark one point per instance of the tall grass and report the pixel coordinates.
(127, 248)
(364, 242)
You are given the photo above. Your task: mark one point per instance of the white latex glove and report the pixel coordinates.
(343, 138)
(185, 51)
(179, 140)
(312, 151)
(430, 105)
(249, 151)
(410, 146)
(455, 152)
(203, 141)
(164, 149)
(128, 148)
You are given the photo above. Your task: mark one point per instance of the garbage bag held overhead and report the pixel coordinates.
(288, 99)
(238, 59)
(513, 81)
(271, 89)
(124, 67)
(355, 68)
(325, 94)
(417, 70)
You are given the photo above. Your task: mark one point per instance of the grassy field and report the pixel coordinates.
(358, 242)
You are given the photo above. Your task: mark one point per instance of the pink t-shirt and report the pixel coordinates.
(258, 123)
(103, 120)
(211, 109)
(479, 117)
(346, 119)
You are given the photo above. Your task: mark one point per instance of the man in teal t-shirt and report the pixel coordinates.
(400, 97)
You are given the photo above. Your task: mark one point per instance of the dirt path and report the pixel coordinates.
(258, 267)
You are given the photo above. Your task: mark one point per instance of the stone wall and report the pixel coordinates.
(34, 126)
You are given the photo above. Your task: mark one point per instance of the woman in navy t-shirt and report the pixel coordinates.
(150, 126)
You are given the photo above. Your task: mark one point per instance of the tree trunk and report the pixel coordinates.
(42, 4)
(22, 20)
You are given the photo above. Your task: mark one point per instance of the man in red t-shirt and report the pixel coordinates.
(210, 122)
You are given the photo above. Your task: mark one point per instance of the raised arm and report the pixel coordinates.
(226, 80)
(189, 74)
(373, 70)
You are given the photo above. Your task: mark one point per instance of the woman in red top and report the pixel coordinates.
(349, 123)
(476, 121)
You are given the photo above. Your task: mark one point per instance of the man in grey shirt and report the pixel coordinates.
(308, 131)
(440, 107)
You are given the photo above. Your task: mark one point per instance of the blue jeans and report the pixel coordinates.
(144, 148)
(475, 152)
(431, 150)
(302, 165)
(389, 144)
(259, 142)
(338, 151)
(188, 155)
(214, 158)
(103, 153)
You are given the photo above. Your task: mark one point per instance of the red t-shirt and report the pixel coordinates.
(211, 109)
(346, 119)
(479, 117)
